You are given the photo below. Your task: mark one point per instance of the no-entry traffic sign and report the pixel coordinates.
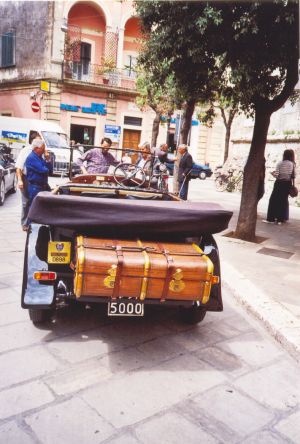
(35, 107)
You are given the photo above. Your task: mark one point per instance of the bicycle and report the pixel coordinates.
(229, 182)
(154, 174)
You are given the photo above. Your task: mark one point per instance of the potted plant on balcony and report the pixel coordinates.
(106, 68)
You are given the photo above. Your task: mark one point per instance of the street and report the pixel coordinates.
(86, 378)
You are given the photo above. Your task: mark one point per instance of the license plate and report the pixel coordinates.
(59, 252)
(125, 308)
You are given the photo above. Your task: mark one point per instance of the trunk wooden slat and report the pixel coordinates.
(138, 269)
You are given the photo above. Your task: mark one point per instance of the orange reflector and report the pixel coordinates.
(44, 275)
(215, 280)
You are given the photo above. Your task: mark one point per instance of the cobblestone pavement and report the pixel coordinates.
(87, 379)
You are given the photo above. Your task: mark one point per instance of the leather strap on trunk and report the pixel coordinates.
(120, 263)
(170, 269)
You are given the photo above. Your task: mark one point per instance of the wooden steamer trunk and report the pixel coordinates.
(138, 269)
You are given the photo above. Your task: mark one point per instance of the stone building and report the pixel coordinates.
(76, 60)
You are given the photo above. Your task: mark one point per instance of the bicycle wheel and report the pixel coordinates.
(221, 184)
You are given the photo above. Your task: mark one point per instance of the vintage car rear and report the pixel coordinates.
(92, 241)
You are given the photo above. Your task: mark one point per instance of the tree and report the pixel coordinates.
(249, 47)
(228, 109)
(160, 98)
(260, 47)
(167, 27)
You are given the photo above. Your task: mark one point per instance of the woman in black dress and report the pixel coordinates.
(279, 203)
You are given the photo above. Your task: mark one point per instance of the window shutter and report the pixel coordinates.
(8, 49)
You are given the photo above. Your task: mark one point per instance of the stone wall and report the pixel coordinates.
(31, 21)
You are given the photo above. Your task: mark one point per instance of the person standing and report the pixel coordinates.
(97, 160)
(279, 202)
(22, 178)
(184, 171)
(38, 167)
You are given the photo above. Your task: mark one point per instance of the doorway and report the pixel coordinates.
(84, 135)
(131, 139)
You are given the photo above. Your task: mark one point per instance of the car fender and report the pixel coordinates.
(210, 248)
(35, 294)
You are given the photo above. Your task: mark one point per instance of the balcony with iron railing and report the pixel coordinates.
(90, 73)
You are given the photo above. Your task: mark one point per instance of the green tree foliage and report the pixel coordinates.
(160, 97)
(246, 51)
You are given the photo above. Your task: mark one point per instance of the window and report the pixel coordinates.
(55, 140)
(135, 121)
(7, 49)
(131, 62)
(81, 70)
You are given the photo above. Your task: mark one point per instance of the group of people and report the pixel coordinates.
(278, 209)
(98, 161)
(34, 165)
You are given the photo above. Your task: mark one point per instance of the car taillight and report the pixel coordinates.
(44, 275)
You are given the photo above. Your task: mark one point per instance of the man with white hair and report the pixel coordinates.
(22, 177)
(38, 166)
(184, 171)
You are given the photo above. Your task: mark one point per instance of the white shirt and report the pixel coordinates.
(20, 162)
(284, 170)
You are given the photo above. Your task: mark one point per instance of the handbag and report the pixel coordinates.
(293, 190)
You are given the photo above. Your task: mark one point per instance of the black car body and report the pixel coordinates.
(94, 206)
(8, 179)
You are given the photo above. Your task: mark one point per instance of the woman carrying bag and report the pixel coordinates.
(278, 209)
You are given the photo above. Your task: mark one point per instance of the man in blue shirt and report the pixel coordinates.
(38, 169)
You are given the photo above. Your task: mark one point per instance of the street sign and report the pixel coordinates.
(45, 86)
(35, 107)
(113, 132)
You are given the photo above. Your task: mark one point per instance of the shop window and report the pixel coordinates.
(84, 135)
(7, 49)
(135, 121)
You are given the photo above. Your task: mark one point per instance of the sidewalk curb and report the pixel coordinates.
(281, 324)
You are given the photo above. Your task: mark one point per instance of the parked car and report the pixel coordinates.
(8, 177)
(199, 171)
(124, 244)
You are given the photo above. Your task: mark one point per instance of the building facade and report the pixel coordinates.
(73, 63)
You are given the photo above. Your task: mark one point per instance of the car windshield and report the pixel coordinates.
(55, 140)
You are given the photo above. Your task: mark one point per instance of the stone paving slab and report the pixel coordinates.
(9, 314)
(251, 348)
(163, 386)
(19, 399)
(240, 413)
(12, 434)
(15, 367)
(259, 385)
(80, 376)
(73, 422)
(290, 427)
(169, 427)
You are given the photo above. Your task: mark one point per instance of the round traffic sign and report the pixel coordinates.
(35, 107)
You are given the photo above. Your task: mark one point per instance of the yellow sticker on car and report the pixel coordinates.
(59, 252)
